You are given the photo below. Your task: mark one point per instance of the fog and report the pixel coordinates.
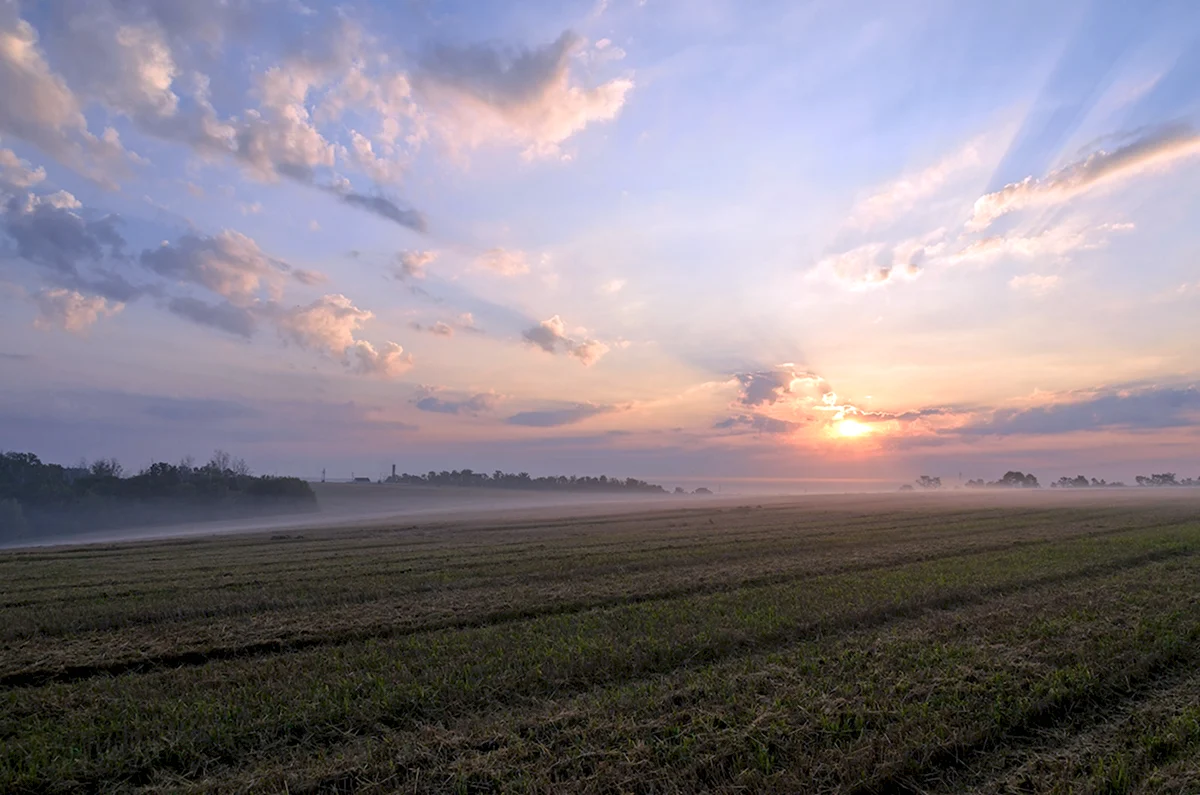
(345, 505)
(372, 504)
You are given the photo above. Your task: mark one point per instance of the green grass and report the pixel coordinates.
(883, 648)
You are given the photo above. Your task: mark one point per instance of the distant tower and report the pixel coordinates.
(393, 470)
(322, 474)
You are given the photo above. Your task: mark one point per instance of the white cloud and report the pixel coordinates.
(412, 264)
(390, 361)
(613, 286)
(505, 262)
(480, 95)
(1145, 155)
(37, 106)
(551, 336)
(327, 324)
(896, 198)
(1037, 285)
(71, 310)
(872, 265)
(443, 328)
(385, 169)
(1054, 243)
(16, 173)
(126, 65)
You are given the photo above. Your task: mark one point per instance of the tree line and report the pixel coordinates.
(523, 480)
(37, 496)
(1021, 480)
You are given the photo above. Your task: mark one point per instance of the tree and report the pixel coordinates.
(1161, 479)
(1018, 480)
(219, 463)
(928, 482)
(107, 468)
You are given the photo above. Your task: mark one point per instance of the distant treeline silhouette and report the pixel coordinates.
(37, 497)
(1020, 480)
(522, 480)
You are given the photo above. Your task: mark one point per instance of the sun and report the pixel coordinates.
(851, 429)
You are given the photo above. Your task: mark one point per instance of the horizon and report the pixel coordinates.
(673, 241)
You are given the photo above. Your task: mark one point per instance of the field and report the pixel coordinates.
(889, 644)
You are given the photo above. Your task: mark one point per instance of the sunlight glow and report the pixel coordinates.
(851, 429)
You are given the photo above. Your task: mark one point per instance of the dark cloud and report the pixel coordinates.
(552, 418)
(197, 409)
(235, 320)
(230, 264)
(48, 232)
(765, 387)
(500, 78)
(759, 423)
(76, 252)
(475, 404)
(1147, 408)
(386, 208)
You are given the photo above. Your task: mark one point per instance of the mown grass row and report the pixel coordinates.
(253, 591)
(1122, 749)
(193, 642)
(896, 709)
(130, 728)
(44, 578)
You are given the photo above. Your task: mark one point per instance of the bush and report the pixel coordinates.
(284, 488)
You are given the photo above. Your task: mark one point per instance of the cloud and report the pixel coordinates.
(1037, 285)
(1054, 243)
(878, 264)
(442, 328)
(47, 231)
(758, 423)
(613, 286)
(327, 324)
(390, 361)
(37, 106)
(16, 173)
(124, 64)
(550, 335)
(70, 310)
(767, 387)
(478, 95)
(1144, 408)
(870, 265)
(473, 405)
(902, 195)
(191, 410)
(503, 262)
(229, 263)
(387, 209)
(309, 277)
(1149, 153)
(363, 155)
(553, 418)
(412, 264)
(237, 320)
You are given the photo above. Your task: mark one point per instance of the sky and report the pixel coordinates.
(820, 242)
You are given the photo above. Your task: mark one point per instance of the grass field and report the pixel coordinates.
(892, 644)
